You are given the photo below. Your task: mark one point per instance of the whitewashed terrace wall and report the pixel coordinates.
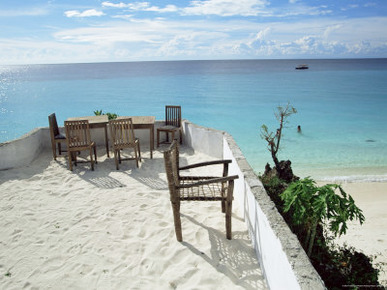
(283, 260)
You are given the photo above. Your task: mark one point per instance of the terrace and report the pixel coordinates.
(263, 253)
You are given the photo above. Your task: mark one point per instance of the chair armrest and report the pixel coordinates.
(201, 164)
(209, 181)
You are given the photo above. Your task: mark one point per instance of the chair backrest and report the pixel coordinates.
(171, 162)
(78, 133)
(54, 130)
(122, 132)
(173, 116)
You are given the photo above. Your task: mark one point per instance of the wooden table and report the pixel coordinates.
(96, 122)
(144, 122)
(139, 122)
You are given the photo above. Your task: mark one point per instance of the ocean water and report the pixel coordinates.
(341, 104)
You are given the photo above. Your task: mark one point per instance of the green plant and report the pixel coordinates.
(111, 116)
(98, 113)
(312, 205)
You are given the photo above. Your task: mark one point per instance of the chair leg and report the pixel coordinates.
(229, 209)
(116, 158)
(95, 154)
(158, 138)
(60, 148)
(91, 159)
(53, 146)
(139, 150)
(69, 155)
(177, 220)
(136, 155)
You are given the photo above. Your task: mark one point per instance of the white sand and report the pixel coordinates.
(111, 229)
(371, 237)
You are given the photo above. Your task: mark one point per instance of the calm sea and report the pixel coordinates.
(342, 105)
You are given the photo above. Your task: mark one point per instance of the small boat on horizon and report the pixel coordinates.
(302, 66)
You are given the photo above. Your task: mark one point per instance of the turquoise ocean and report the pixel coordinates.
(341, 104)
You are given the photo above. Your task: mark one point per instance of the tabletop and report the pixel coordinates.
(92, 119)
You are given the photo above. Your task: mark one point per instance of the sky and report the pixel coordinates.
(82, 31)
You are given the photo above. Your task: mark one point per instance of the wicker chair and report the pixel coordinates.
(200, 188)
(172, 124)
(123, 137)
(56, 136)
(78, 139)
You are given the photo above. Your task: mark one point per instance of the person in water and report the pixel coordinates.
(299, 129)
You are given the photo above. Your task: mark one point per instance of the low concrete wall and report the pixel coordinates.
(22, 151)
(283, 261)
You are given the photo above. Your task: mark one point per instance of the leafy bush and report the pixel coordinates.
(338, 266)
(111, 116)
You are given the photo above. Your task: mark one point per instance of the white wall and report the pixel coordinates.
(22, 151)
(284, 263)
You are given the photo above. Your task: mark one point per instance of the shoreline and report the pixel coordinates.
(370, 237)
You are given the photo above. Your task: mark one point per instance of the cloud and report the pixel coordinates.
(86, 13)
(140, 6)
(204, 38)
(25, 12)
(226, 7)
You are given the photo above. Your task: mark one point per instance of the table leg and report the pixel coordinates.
(151, 138)
(106, 141)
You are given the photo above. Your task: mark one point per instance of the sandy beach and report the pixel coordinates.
(371, 237)
(109, 229)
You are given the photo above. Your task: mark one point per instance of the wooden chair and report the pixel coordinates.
(200, 188)
(172, 124)
(123, 137)
(78, 139)
(56, 136)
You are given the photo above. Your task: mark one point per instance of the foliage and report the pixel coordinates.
(273, 139)
(111, 116)
(312, 205)
(337, 266)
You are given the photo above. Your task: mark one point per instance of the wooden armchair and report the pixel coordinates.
(78, 139)
(56, 136)
(172, 124)
(200, 188)
(123, 137)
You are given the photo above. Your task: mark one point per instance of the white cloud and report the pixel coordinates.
(162, 39)
(25, 12)
(140, 6)
(110, 4)
(226, 7)
(86, 13)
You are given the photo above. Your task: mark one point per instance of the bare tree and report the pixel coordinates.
(273, 139)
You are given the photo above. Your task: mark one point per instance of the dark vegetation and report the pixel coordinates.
(317, 215)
